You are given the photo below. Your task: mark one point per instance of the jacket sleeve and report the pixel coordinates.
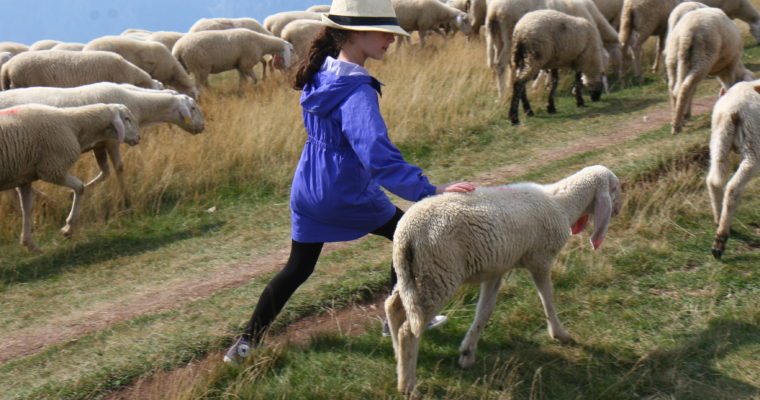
(365, 130)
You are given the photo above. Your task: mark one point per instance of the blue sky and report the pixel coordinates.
(83, 20)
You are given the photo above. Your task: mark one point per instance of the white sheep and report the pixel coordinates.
(70, 46)
(502, 16)
(548, 39)
(167, 38)
(149, 107)
(152, 57)
(735, 127)
(62, 68)
(704, 42)
(275, 23)
(428, 15)
(43, 142)
(739, 9)
(319, 9)
(210, 52)
(445, 241)
(46, 44)
(680, 10)
(5, 56)
(13, 47)
(300, 33)
(218, 24)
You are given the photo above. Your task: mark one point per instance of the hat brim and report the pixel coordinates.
(394, 29)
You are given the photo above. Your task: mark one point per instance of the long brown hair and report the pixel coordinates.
(327, 43)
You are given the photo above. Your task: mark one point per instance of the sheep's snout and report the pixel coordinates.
(132, 141)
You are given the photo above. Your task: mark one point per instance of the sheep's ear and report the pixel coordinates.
(602, 215)
(118, 125)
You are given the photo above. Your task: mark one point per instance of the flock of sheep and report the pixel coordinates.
(97, 95)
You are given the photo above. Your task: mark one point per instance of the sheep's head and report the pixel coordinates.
(463, 23)
(595, 85)
(190, 116)
(124, 124)
(285, 58)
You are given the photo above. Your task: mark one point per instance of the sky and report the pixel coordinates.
(83, 20)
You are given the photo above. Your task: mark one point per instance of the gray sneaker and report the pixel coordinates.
(239, 351)
(437, 321)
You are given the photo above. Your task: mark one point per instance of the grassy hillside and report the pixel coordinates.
(655, 316)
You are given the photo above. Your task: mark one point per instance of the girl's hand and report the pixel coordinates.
(458, 187)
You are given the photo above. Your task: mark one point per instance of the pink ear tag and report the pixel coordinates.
(580, 224)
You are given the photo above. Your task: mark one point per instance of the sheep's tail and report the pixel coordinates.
(627, 24)
(406, 265)
(727, 130)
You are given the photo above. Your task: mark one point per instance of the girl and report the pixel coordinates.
(347, 157)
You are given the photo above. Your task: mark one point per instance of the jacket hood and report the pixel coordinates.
(332, 84)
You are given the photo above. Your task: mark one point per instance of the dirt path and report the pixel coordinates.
(26, 342)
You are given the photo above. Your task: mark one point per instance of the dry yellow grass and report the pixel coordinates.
(256, 139)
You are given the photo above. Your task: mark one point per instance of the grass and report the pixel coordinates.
(655, 315)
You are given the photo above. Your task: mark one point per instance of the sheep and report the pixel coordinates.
(300, 34)
(167, 38)
(275, 23)
(43, 142)
(206, 52)
(61, 68)
(218, 24)
(444, 241)
(734, 128)
(319, 9)
(72, 46)
(152, 57)
(704, 42)
(548, 39)
(136, 33)
(611, 9)
(426, 15)
(680, 10)
(5, 56)
(639, 20)
(502, 16)
(13, 47)
(477, 14)
(149, 107)
(44, 44)
(739, 9)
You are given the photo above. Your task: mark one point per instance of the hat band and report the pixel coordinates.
(362, 21)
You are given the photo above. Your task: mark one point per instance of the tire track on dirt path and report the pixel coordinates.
(32, 340)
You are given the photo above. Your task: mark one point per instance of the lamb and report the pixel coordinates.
(149, 107)
(167, 38)
(427, 15)
(152, 57)
(548, 39)
(704, 42)
(206, 52)
(444, 241)
(43, 142)
(275, 23)
(300, 33)
(46, 44)
(13, 47)
(218, 24)
(319, 9)
(61, 68)
(734, 128)
(502, 16)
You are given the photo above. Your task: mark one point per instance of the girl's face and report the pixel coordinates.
(373, 44)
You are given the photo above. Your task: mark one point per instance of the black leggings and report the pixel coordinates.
(300, 265)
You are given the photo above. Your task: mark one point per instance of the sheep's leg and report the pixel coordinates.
(747, 168)
(396, 315)
(579, 90)
(489, 291)
(542, 278)
(514, 106)
(720, 149)
(554, 79)
(408, 350)
(118, 165)
(102, 159)
(636, 50)
(263, 69)
(78, 188)
(683, 98)
(658, 52)
(525, 102)
(421, 32)
(26, 198)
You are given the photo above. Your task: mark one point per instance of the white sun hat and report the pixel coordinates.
(363, 15)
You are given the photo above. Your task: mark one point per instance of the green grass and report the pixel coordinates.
(655, 315)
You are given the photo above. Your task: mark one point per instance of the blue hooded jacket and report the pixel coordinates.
(336, 194)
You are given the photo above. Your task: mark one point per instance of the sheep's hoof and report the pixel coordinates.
(466, 358)
(551, 110)
(675, 130)
(67, 231)
(530, 113)
(719, 246)
(564, 338)
(515, 122)
(31, 247)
